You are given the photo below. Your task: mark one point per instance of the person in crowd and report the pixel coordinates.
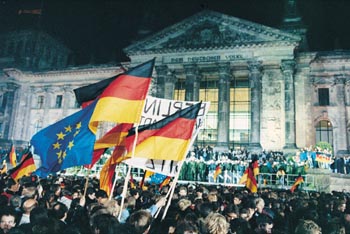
(12, 188)
(140, 221)
(60, 211)
(307, 227)
(216, 224)
(28, 206)
(7, 219)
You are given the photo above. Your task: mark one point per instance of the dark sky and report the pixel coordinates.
(99, 29)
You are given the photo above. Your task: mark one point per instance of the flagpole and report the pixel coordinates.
(86, 182)
(125, 188)
(172, 190)
(114, 182)
(194, 136)
(172, 187)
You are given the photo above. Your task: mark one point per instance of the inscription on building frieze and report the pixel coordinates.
(205, 58)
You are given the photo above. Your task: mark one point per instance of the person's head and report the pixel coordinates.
(264, 223)
(141, 221)
(104, 224)
(112, 207)
(182, 191)
(38, 215)
(59, 211)
(101, 196)
(91, 193)
(186, 228)
(12, 185)
(29, 205)
(231, 212)
(259, 204)
(29, 192)
(341, 205)
(135, 193)
(237, 199)
(307, 227)
(7, 219)
(16, 201)
(56, 189)
(216, 224)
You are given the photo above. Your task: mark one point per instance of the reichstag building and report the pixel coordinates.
(267, 91)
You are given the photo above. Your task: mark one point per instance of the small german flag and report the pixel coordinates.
(25, 168)
(296, 184)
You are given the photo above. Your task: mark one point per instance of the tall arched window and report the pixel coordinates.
(324, 132)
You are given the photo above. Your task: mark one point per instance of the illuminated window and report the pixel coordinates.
(239, 133)
(324, 132)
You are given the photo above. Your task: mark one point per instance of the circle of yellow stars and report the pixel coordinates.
(60, 146)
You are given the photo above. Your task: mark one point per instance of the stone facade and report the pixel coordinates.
(219, 57)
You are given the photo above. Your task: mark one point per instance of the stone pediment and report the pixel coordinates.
(211, 30)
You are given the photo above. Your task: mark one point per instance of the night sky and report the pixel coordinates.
(97, 31)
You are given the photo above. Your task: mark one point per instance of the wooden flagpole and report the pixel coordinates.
(87, 181)
(125, 188)
(114, 182)
(172, 190)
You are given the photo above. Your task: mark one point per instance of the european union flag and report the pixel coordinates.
(157, 178)
(66, 143)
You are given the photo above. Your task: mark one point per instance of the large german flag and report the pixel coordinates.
(167, 139)
(25, 167)
(123, 99)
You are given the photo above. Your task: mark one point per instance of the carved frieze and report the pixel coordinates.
(208, 30)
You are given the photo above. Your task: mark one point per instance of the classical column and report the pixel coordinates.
(287, 67)
(169, 85)
(162, 71)
(224, 105)
(255, 76)
(340, 132)
(192, 83)
(11, 108)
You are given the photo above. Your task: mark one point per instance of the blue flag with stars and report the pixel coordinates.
(66, 143)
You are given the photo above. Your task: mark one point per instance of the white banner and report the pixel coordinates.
(155, 110)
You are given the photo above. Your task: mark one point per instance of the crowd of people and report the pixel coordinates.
(72, 205)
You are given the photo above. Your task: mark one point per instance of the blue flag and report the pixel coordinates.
(157, 178)
(66, 143)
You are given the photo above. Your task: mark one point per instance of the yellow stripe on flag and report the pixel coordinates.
(161, 148)
(116, 110)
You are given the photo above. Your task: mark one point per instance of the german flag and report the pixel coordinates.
(13, 156)
(249, 179)
(217, 172)
(255, 166)
(106, 176)
(296, 184)
(167, 139)
(165, 182)
(146, 175)
(132, 182)
(25, 168)
(123, 99)
(114, 137)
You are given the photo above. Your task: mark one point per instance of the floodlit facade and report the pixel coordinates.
(265, 93)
